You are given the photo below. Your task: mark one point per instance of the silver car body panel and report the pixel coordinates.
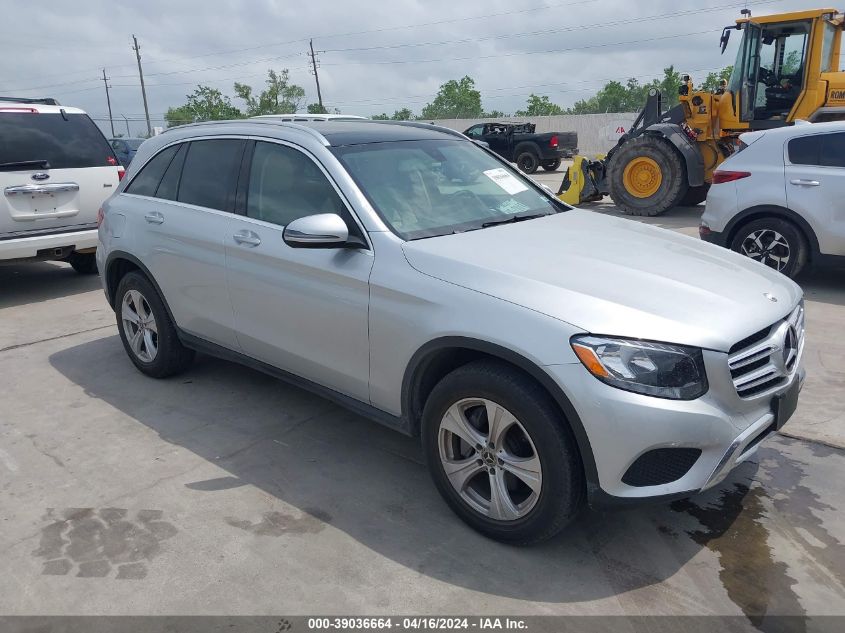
(354, 320)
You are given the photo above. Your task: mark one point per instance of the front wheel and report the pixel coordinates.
(551, 165)
(647, 176)
(774, 242)
(501, 455)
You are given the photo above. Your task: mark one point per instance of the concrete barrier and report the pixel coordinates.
(597, 133)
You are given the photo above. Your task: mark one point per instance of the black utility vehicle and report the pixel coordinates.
(518, 143)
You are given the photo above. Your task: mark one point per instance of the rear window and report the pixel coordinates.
(827, 150)
(64, 143)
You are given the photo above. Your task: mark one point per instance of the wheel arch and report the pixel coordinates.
(118, 265)
(782, 213)
(531, 146)
(438, 357)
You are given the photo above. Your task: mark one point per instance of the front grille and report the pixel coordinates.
(660, 466)
(767, 359)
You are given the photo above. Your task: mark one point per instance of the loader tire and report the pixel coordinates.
(695, 195)
(647, 176)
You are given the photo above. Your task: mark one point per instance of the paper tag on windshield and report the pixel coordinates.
(505, 180)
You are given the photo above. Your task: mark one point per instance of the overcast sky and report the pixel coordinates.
(377, 56)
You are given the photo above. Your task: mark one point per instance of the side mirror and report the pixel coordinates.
(324, 230)
(726, 36)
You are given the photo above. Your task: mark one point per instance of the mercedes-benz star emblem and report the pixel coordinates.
(790, 345)
(770, 297)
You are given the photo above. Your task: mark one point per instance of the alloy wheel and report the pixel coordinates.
(139, 326)
(489, 459)
(768, 247)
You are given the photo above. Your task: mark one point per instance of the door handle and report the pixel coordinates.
(247, 238)
(154, 218)
(801, 182)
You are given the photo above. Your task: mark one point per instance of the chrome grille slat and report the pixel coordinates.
(762, 366)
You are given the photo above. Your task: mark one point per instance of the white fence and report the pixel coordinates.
(597, 133)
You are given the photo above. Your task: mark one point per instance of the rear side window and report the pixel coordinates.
(168, 188)
(209, 177)
(827, 150)
(68, 141)
(146, 182)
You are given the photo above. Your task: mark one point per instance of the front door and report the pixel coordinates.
(302, 310)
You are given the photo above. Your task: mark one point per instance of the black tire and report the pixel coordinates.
(778, 237)
(83, 263)
(171, 356)
(562, 490)
(528, 161)
(673, 176)
(551, 165)
(695, 195)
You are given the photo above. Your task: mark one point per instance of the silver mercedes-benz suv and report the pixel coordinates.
(544, 355)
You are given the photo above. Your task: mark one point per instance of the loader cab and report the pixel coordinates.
(777, 63)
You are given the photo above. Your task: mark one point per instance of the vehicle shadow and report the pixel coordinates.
(370, 482)
(25, 283)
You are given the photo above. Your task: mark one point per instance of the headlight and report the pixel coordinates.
(654, 369)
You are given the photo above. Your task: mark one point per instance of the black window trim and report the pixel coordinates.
(246, 170)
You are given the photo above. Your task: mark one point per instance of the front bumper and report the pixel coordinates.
(622, 426)
(714, 237)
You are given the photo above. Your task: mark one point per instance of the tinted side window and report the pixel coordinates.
(168, 188)
(475, 131)
(284, 185)
(209, 176)
(805, 150)
(833, 150)
(67, 141)
(146, 182)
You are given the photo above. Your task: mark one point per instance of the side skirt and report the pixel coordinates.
(356, 406)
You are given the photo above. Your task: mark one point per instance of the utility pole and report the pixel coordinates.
(137, 50)
(128, 133)
(108, 100)
(316, 76)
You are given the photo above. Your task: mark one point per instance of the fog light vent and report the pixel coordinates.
(661, 466)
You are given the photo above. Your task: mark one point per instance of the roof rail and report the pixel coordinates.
(41, 100)
(427, 126)
(253, 121)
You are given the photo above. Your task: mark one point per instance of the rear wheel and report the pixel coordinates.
(647, 176)
(83, 263)
(551, 165)
(527, 161)
(695, 196)
(500, 454)
(148, 335)
(774, 242)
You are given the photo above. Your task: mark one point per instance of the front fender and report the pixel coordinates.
(673, 133)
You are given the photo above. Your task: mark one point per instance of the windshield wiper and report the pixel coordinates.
(23, 164)
(512, 219)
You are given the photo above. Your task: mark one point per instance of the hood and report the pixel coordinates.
(614, 276)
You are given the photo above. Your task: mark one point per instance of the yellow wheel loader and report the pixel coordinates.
(787, 68)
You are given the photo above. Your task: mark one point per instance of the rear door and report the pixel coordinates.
(55, 171)
(815, 186)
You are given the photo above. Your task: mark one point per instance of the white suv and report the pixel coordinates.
(56, 169)
(781, 199)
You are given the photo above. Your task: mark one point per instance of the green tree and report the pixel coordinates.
(316, 108)
(280, 96)
(404, 114)
(630, 96)
(455, 100)
(204, 104)
(712, 81)
(539, 106)
(380, 117)
(493, 114)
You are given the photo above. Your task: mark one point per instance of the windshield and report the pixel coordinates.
(437, 187)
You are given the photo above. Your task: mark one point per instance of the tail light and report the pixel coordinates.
(111, 160)
(720, 176)
(553, 141)
(121, 172)
(100, 215)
